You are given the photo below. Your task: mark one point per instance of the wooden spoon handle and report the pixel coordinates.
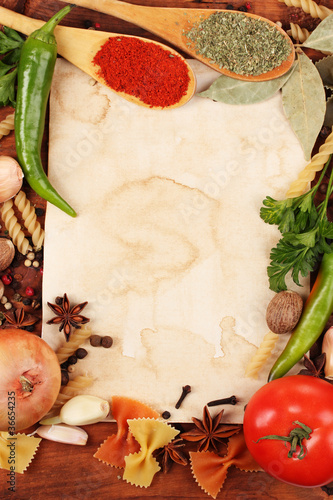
(164, 22)
(18, 22)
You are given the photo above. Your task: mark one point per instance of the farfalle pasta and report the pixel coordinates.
(117, 446)
(310, 7)
(14, 229)
(30, 219)
(151, 435)
(210, 470)
(20, 448)
(7, 125)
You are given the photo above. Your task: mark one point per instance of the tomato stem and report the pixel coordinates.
(295, 439)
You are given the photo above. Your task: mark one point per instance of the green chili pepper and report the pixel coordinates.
(35, 72)
(316, 312)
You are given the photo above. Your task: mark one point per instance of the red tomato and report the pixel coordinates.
(273, 409)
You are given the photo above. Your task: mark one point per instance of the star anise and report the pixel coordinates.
(171, 453)
(209, 431)
(19, 319)
(314, 367)
(67, 316)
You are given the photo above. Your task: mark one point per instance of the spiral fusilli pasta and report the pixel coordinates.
(30, 219)
(77, 338)
(298, 33)
(7, 125)
(73, 388)
(316, 164)
(262, 354)
(14, 229)
(310, 7)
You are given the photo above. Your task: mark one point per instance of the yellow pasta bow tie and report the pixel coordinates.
(151, 434)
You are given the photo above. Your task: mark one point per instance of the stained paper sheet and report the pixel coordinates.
(168, 247)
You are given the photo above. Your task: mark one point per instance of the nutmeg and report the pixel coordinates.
(284, 311)
(7, 253)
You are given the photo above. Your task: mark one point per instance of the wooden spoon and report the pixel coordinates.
(79, 46)
(170, 24)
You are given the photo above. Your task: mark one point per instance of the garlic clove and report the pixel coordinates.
(81, 410)
(327, 348)
(62, 433)
(11, 178)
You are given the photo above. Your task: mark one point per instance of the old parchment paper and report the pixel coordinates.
(168, 246)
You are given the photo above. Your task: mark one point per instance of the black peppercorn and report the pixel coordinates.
(64, 377)
(39, 211)
(242, 9)
(26, 302)
(72, 360)
(81, 353)
(107, 341)
(229, 7)
(95, 340)
(29, 328)
(166, 415)
(87, 23)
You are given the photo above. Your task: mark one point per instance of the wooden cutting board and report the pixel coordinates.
(168, 247)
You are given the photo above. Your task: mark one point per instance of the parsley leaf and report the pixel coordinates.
(306, 234)
(7, 89)
(10, 47)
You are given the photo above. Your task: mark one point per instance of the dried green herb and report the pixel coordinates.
(322, 37)
(238, 43)
(325, 69)
(304, 103)
(232, 91)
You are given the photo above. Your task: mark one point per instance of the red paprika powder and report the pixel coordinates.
(143, 69)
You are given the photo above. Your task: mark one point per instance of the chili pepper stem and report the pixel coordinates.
(48, 27)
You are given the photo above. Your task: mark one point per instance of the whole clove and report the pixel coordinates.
(185, 391)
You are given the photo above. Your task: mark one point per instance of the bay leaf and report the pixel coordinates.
(325, 68)
(328, 122)
(322, 37)
(304, 103)
(231, 91)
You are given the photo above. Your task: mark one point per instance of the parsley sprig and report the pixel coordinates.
(10, 47)
(306, 233)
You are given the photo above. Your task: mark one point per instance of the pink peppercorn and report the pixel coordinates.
(6, 279)
(29, 291)
(97, 25)
(248, 5)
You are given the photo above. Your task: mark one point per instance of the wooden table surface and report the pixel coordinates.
(70, 472)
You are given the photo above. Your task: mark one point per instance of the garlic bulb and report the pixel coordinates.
(11, 178)
(81, 410)
(68, 434)
(327, 348)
